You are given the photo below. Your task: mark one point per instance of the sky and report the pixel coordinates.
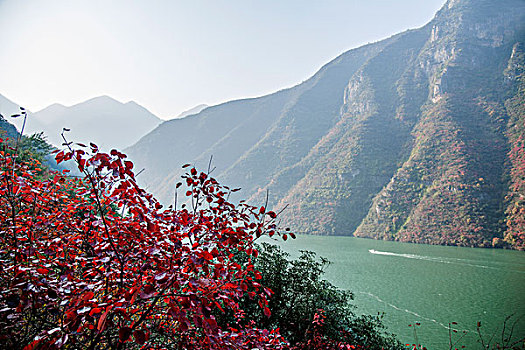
(170, 56)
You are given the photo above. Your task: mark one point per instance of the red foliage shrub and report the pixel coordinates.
(96, 262)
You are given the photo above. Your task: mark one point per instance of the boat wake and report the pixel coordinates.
(455, 261)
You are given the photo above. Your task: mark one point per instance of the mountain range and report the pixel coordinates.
(416, 138)
(102, 120)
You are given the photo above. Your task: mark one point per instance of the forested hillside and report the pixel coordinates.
(418, 138)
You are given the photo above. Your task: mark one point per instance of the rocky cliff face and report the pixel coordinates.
(417, 138)
(451, 189)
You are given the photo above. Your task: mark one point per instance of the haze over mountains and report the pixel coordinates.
(417, 138)
(102, 120)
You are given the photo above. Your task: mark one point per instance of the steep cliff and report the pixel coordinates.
(419, 137)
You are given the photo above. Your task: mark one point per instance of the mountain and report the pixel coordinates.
(102, 120)
(10, 125)
(7, 109)
(195, 110)
(416, 138)
(38, 146)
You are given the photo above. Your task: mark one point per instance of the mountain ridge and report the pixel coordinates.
(408, 138)
(102, 120)
(418, 137)
(194, 110)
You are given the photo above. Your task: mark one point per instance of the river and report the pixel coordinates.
(430, 285)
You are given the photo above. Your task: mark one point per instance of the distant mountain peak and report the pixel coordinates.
(98, 100)
(101, 100)
(102, 120)
(132, 103)
(55, 107)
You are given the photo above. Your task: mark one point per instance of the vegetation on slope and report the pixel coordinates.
(515, 105)
(449, 185)
(413, 138)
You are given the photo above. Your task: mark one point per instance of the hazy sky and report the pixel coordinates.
(172, 55)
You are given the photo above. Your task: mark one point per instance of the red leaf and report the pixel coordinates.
(102, 321)
(124, 333)
(42, 271)
(207, 255)
(147, 292)
(59, 157)
(183, 326)
(212, 323)
(96, 310)
(33, 345)
(88, 296)
(267, 312)
(140, 336)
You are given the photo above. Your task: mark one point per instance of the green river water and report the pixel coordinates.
(432, 285)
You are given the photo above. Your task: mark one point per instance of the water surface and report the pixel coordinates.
(431, 285)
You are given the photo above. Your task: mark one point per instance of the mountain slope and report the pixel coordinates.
(102, 120)
(8, 125)
(416, 138)
(451, 189)
(261, 135)
(515, 107)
